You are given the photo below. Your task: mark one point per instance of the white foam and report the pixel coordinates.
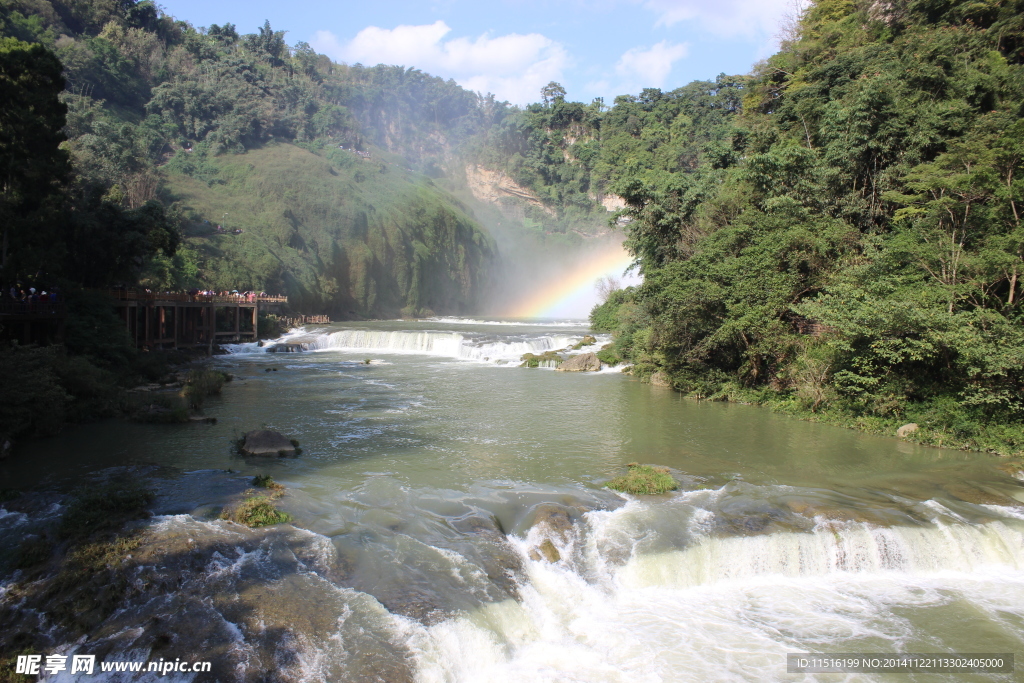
(432, 343)
(722, 609)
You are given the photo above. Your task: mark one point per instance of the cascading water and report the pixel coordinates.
(448, 344)
(729, 607)
(450, 523)
(486, 346)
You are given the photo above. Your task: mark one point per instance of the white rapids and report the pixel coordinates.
(729, 608)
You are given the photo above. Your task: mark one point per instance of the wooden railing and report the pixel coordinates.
(289, 322)
(134, 295)
(55, 308)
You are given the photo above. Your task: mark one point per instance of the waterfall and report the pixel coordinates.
(729, 607)
(448, 344)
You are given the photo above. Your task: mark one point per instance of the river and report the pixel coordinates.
(433, 471)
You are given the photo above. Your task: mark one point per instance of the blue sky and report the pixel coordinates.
(594, 48)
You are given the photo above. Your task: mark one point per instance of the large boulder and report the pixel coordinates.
(906, 430)
(267, 442)
(556, 520)
(585, 362)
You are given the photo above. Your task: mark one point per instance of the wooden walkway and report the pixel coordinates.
(189, 321)
(33, 322)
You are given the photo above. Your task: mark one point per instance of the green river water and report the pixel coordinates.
(432, 476)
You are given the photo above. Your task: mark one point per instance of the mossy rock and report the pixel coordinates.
(256, 511)
(547, 551)
(268, 442)
(587, 340)
(532, 360)
(644, 480)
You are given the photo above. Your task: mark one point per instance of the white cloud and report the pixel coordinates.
(726, 18)
(514, 66)
(650, 67)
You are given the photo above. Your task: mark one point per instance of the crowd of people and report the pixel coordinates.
(28, 297)
(248, 296)
(196, 294)
(19, 297)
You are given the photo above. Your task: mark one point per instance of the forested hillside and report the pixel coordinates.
(837, 233)
(849, 240)
(158, 111)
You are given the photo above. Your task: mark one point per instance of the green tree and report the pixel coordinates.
(551, 93)
(32, 165)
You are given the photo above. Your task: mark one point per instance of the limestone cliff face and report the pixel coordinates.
(612, 202)
(494, 187)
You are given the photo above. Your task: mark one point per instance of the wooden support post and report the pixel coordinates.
(238, 321)
(255, 321)
(212, 329)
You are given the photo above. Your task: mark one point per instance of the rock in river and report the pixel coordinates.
(285, 348)
(267, 442)
(581, 363)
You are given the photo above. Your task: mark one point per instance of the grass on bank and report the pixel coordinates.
(644, 480)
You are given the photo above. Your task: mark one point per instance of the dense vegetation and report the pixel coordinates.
(157, 114)
(126, 137)
(837, 234)
(840, 233)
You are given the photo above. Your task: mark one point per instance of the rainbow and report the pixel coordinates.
(554, 296)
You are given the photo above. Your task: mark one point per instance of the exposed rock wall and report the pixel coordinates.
(494, 186)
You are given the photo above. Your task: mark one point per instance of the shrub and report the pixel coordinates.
(269, 327)
(605, 316)
(201, 383)
(32, 401)
(644, 479)
(608, 356)
(265, 481)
